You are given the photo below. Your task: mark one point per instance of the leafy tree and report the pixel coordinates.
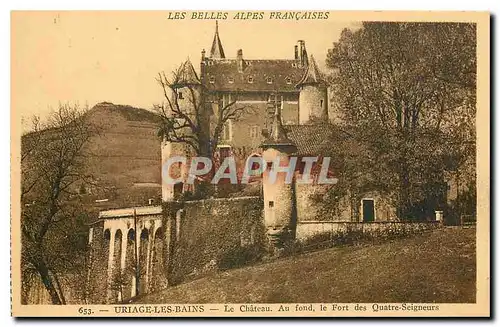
(406, 94)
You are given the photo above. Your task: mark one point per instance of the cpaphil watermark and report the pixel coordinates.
(311, 170)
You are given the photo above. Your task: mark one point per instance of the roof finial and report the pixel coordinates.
(217, 52)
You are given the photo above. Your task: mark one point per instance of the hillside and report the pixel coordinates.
(126, 153)
(437, 267)
(124, 158)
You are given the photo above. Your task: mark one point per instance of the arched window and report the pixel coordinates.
(131, 236)
(144, 234)
(107, 235)
(159, 233)
(118, 234)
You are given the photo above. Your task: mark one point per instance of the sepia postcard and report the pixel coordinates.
(250, 164)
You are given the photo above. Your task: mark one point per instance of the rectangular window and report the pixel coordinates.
(227, 131)
(179, 95)
(226, 99)
(231, 80)
(321, 103)
(212, 79)
(254, 132)
(269, 80)
(250, 80)
(288, 80)
(271, 204)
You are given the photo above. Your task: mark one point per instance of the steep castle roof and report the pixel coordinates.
(275, 75)
(186, 75)
(217, 52)
(312, 74)
(252, 75)
(318, 139)
(310, 140)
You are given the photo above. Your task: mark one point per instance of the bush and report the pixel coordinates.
(239, 256)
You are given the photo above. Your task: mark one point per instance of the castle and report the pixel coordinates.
(289, 104)
(290, 116)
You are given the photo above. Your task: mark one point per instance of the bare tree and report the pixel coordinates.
(199, 123)
(52, 171)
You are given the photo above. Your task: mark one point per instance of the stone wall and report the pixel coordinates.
(308, 231)
(312, 206)
(212, 234)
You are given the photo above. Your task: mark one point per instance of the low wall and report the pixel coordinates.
(213, 234)
(308, 230)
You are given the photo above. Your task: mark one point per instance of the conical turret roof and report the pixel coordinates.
(312, 74)
(217, 52)
(278, 137)
(187, 75)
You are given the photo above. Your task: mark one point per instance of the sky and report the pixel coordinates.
(90, 57)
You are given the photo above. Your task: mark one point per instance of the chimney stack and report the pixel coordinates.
(202, 64)
(239, 59)
(302, 53)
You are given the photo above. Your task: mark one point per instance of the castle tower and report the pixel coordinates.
(278, 193)
(217, 52)
(187, 93)
(313, 99)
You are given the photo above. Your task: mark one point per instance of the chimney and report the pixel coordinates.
(202, 64)
(296, 52)
(239, 59)
(305, 58)
(302, 53)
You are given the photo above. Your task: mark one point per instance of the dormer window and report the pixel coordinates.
(269, 80)
(212, 79)
(231, 80)
(294, 64)
(250, 79)
(288, 80)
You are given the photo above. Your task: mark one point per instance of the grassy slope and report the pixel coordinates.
(126, 151)
(436, 267)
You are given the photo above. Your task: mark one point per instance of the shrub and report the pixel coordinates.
(239, 256)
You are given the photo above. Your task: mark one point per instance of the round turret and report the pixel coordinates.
(278, 186)
(313, 96)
